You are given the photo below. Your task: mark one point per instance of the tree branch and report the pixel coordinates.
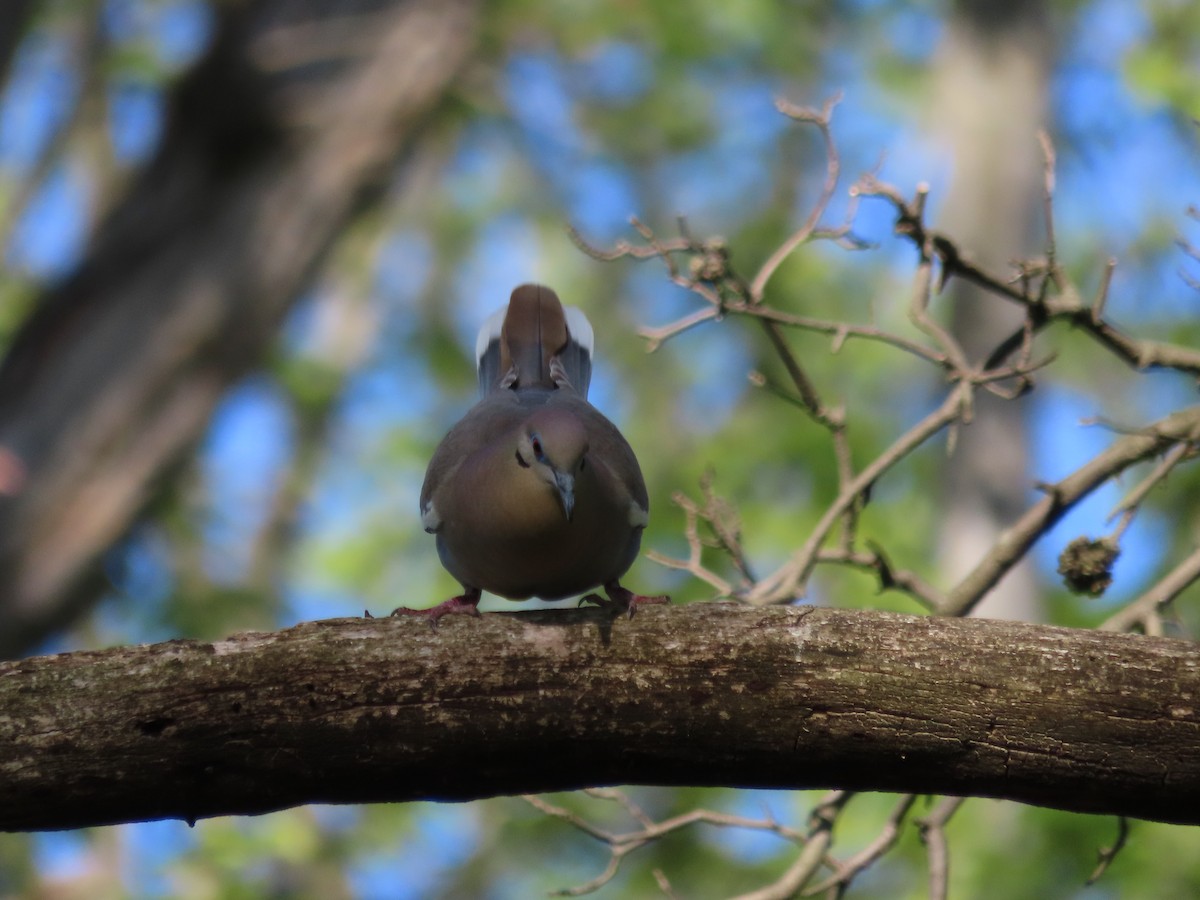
(361, 710)
(1181, 426)
(786, 581)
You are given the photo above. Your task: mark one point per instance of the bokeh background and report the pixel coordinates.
(298, 499)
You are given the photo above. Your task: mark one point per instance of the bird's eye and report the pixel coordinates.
(537, 448)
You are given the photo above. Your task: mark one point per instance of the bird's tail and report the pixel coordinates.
(516, 345)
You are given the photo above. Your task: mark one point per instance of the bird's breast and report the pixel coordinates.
(520, 544)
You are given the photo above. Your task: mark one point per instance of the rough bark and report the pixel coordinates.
(361, 710)
(283, 132)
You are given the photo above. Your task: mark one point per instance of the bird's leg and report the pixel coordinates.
(622, 600)
(466, 603)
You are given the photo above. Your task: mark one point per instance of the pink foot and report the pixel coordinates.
(466, 603)
(622, 600)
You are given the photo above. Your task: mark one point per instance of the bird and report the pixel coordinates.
(534, 493)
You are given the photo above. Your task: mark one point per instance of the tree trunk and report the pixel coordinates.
(363, 710)
(279, 137)
(991, 72)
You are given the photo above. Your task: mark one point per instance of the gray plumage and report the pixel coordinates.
(534, 493)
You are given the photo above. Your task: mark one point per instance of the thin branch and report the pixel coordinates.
(919, 304)
(655, 337)
(890, 579)
(799, 872)
(693, 564)
(616, 855)
(1049, 159)
(932, 829)
(622, 799)
(623, 248)
(1098, 304)
(664, 885)
(712, 254)
(726, 526)
(1170, 460)
(621, 844)
(1147, 607)
(821, 120)
(783, 585)
(576, 821)
(1065, 306)
(1060, 497)
(884, 842)
(841, 331)
(803, 384)
(844, 459)
(1108, 854)
(806, 864)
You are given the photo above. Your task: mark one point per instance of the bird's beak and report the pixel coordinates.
(565, 483)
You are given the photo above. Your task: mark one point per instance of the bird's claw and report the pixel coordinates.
(463, 604)
(622, 600)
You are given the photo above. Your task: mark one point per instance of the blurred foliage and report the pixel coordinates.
(1162, 66)
(301, 503)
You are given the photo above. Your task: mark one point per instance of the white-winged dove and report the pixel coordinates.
(534, 493)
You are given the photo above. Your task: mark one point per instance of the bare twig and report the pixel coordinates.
(1060, 497)
(664, 885)
(1108, 854)
(841, 331)
(622, 799)
(873, 851)
(799, 872)
(784, 584)
(889, 578)
(726, 525)
(1066, 306)
(819, 839)
(932, 829)
(1128, 508)
(656, 336)
(1131, 501)
(1110, 266)
(621, 844)
(693, 564)
(1146, 608)
(804, 233)
(808, 393)
(1049, 159)
(922, 285)
(722, 520)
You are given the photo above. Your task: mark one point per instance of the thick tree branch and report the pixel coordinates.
(360, 710)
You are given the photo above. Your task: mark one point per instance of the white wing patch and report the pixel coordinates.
(639, 517)
(580, 328)
(430, 520)
(488, 332)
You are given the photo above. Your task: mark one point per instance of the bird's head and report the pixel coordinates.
(553, 446)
